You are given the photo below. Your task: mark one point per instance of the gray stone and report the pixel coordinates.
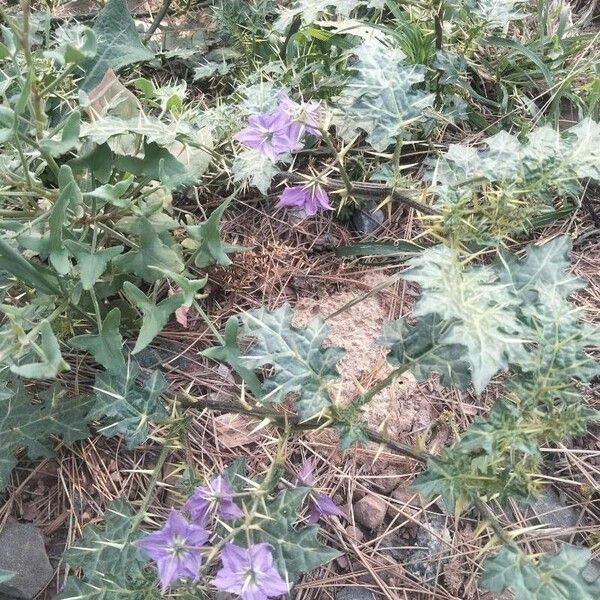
(370, 511)
(552, 511)
(365, 221)
(355, 593)
(22, 551)
(428, 552)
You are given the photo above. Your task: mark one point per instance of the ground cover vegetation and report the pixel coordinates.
(128, 141)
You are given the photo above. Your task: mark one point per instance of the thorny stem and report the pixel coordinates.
(287, 421)
(162, 458)
(340, 163)
(369, 190)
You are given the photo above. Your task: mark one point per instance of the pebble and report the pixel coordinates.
(370, 511)
(22, 551)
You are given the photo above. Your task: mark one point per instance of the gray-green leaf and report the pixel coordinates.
(104, 346)
(118, 43)
(126, 408)
(557, 576)
(154, 316)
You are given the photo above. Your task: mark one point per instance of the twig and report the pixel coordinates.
(160, 15)
(287, 421)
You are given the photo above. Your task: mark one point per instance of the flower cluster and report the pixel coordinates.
(178, 547)
(281, 131)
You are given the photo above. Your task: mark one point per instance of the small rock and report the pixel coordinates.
(388, 480)
(408, 502)
(22, 551)
(425, 560)
(355, 593)
(355, 533)
(370, 511)
(365, 221)
(552, 511)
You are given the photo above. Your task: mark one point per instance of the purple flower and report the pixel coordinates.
(307, 114)
(249, 572)
(319, 505)
(176, 549)
(311, 198)
(218, 494)
(271, 134)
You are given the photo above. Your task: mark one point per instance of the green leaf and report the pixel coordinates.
(127, 409)
(91, 264)
(154, 316)
(188, 287)
(111, 563)
(480, 312)
(113, 194)
(69, 138)
(69, 195)
(423, 345)
(557, 576)
(382, 98)
(299, 363)
(29, 425)
(295, 551)
(81, 46)
(159, 164)
(119, 44)
(51, 363)
(254, 168)
(152, 252)
(211, 249)
(26, 272)
(547, 264)
(231, 354)
(104, 346)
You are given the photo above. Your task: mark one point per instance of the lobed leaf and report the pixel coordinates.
(127, 409)
(557, 576)
(30, 425)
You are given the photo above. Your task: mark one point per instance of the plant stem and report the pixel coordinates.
(340, 163)
(287, 421)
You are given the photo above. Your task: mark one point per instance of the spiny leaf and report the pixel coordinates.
(480, 313)
(423, 345)
(104, 346)
(254, 168)
(295, 550)
(118, 43)
(29, 425)
(152, 252)
(154, 316)
(546, 264)
(111, 563)
(126, 408)
(381, 98)
(231, 354)
(298, 361)
(557, 576)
